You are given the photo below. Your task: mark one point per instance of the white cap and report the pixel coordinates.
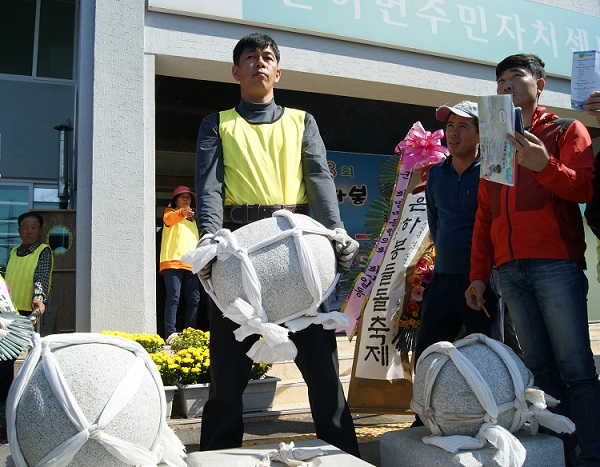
(464, 109)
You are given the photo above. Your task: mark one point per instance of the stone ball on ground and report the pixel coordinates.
(453, 398)
(92, 371)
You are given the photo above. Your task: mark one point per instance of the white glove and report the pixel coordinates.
(345, 250)
(206, 271)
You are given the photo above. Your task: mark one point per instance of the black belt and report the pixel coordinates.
(246, 213)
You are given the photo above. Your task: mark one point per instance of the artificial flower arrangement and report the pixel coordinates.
(419, 150)
(409, 319)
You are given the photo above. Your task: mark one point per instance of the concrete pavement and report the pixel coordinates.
(268, 429)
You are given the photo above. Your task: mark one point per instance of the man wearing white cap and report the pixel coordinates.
(451, 193)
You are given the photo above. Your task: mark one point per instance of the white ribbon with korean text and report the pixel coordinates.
(377, 357)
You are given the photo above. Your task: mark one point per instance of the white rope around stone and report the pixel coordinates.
(249, 312)
(530, 404)
(292, 456)
(166, 449)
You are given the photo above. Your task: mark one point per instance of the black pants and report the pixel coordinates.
(317, 359)
(445, 311)
(7, 369)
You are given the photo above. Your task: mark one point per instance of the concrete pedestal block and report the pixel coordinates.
(404, 448)
(250, 456)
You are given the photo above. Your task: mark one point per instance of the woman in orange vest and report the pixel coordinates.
(179, 236)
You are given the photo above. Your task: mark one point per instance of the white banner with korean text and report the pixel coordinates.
(376, 357)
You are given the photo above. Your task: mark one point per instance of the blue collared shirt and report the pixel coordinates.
(451, 207)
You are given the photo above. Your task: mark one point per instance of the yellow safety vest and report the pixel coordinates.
(263, 163)
(19, 276)
(177, 240)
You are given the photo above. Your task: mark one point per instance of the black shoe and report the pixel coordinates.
(417, 422)
(3, 435)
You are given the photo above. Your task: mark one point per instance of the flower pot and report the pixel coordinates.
(169, 396)
(259, 395)
(192, 398)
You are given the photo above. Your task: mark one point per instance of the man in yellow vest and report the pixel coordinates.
(29, 276)
(250, 162)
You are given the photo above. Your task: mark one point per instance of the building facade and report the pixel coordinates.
(102, 100)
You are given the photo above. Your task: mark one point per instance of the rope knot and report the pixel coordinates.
(239, 251)
(521, 405)
(487, 418)
(94, 431)
(527, 414)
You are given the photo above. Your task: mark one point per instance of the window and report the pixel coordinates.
(14, 201)
(37, 38)
(45, 198)
(60, 239)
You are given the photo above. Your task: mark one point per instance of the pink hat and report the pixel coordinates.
(182, 189)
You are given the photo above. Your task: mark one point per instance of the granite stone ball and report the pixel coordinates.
(92, 371)
(277, 265)
(452, 396)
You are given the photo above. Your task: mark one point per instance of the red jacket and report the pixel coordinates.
(538, 217)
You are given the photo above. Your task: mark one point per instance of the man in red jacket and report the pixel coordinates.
(533, 232)
(592, 209)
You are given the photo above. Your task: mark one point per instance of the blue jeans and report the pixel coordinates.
(175, 281)
(548, 303)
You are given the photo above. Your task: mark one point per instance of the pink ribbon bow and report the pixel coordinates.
(421, 148)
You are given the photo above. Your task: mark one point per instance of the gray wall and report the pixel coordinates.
(121, 48)
(30, 111)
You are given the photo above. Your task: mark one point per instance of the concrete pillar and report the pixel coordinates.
(116, 187)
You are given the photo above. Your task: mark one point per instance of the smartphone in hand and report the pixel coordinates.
(519, 128)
